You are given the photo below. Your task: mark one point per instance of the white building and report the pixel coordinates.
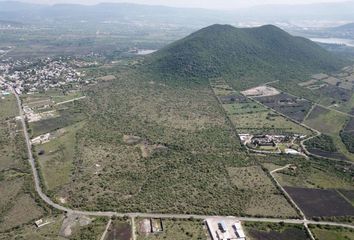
(225, 228)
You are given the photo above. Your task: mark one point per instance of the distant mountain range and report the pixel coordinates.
(247, 56)
(27, 12)
(345, 31)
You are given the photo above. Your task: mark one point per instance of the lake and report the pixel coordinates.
(348, 42)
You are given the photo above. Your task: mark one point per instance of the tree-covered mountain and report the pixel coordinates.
(246, 55)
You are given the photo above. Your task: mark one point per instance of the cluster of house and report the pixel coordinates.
(27, 76)
(225, 229)
(268, 140)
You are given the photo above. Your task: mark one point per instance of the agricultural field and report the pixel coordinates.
(347, 135)
(334, 91)
(250, 117)
(320, 203)
(326, 121)
(331, 123)
(293, 107)
(272, 231)
(320, 174)
(175, 229)
(348, 194)
(331, 233)
(66, 115)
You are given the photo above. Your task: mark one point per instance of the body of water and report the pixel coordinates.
(348, 42)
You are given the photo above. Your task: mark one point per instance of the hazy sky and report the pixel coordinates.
(220, 4)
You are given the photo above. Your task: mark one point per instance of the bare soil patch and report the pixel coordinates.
(261, 91)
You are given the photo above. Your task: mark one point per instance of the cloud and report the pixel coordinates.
(220, 4)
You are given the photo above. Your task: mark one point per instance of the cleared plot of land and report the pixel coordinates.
(68, 115)
(261, 91)
(91, 231)
(57, 157)
(119, 230)
(320, 203)
(332, 233)
(293, 107)
(261, 231)
(177, 230)
(266, 199)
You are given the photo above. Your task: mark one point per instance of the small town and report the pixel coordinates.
(28, 76)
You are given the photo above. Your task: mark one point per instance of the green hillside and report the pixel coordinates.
(247, 55)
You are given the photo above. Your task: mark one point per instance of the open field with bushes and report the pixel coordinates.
(176, 229)
(331, 233)
(271, 231)
(156, 147)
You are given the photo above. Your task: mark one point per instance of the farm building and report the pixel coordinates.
(225, 229)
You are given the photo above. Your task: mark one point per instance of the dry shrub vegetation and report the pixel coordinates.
(162, 147)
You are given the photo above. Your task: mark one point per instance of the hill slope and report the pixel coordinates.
(254, 55)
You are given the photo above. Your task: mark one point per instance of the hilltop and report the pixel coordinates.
(246, 55)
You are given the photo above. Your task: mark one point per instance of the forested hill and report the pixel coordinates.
(246, 55)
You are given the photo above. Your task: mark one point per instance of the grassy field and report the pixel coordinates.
(8, 107)
(178, 230)
(56, 163)
(316, 174)
(331, 233)
(330, 123)
(326, 121)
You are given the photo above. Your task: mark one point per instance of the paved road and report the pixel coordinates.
(47, 200)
